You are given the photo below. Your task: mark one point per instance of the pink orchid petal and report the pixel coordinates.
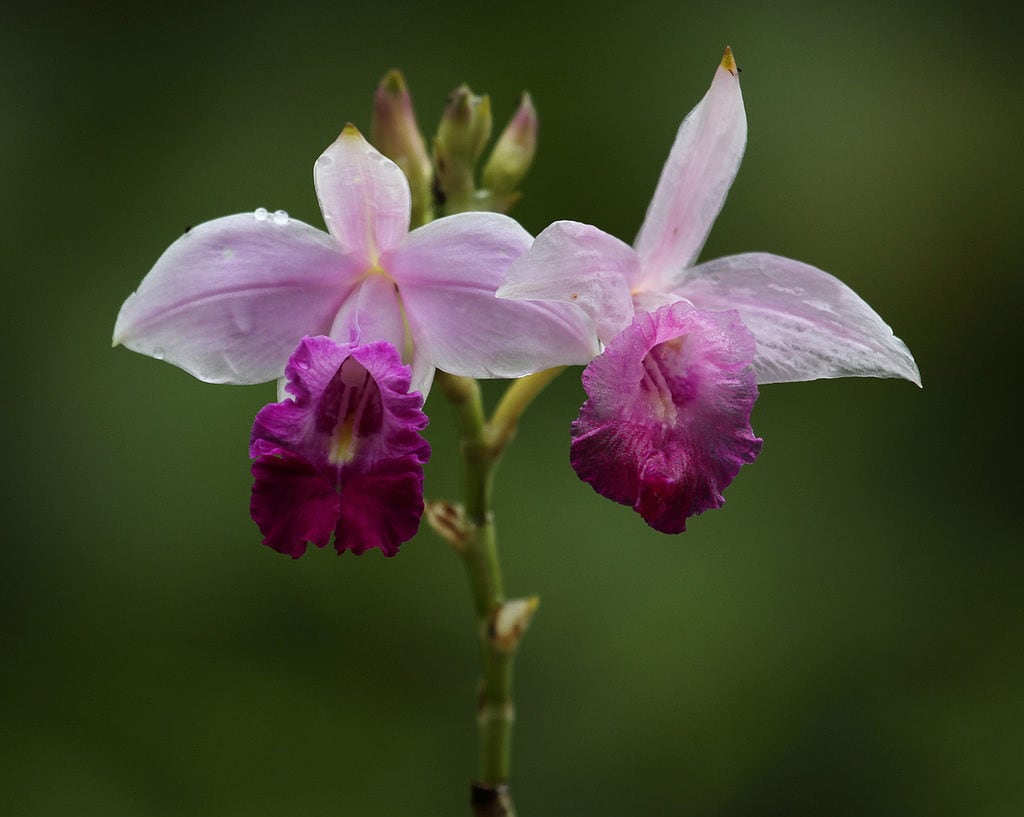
(231, 298)
(422, 372)
(319, 373)
(371, 313)
(695, 180)
(292, 503)
(653, 301)
(364, 196)
(342, 454)
(374, 312)
(447, 273)
(666, 424)
(380, 507)
(807, 323)
(579, 264)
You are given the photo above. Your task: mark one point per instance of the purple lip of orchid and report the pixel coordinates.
(806, 323)
(671, 444)
(343, 455)
(229, 300)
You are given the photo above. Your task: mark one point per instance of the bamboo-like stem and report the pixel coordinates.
(520, 393)
(499, 623)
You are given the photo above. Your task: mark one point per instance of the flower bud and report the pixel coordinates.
(513, 152)
(510, 620)
(396, 135)
(464, 130)
(450, 523)
(466, 124)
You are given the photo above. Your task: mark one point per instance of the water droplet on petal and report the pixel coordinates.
(159, 352)
(325, 161)
(302, 364)
(280, 217)
(261, 214)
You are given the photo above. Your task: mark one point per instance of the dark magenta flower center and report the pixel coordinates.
(349, 410)
(667, 385)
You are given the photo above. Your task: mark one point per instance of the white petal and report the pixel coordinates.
(807, 323)
(695, 181)
(364, 196)
(229, 301)
(582, 265)
(447, 273)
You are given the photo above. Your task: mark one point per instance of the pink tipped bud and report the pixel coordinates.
(513, 152)
(396, 135)
(466, 124)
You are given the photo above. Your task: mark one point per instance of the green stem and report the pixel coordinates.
(480, 557)
(519, 395)
(499, 625)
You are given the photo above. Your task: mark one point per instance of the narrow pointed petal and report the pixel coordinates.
(666, 424)
(808, 324)
(231, 298)
(364, 196)
(447, 273)
(582, 265)
(695, 180)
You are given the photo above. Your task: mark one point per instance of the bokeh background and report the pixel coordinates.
(844, 637)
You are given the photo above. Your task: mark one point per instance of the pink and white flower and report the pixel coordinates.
(231, 298)
(805, 323)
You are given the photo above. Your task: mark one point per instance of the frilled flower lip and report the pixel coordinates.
(808, 324)
(343, 454)
(666, 424)
(230, 299)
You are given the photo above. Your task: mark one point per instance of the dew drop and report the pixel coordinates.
(280, 217)
(302, 364)
(261, 214)
(325, 161)
(159, 353)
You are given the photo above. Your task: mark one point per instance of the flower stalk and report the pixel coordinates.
(500, 623)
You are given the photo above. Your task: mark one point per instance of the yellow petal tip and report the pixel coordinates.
(729, 61)
(394, 83)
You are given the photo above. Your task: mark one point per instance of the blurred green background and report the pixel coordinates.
(843, 638)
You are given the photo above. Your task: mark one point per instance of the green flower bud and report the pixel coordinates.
(513, 152)
(464, 130)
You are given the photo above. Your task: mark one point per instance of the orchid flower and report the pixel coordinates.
(230, 299)
(343, 455)
(666, 425)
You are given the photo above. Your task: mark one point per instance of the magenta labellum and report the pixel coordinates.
(666, 426)
(343, 455)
